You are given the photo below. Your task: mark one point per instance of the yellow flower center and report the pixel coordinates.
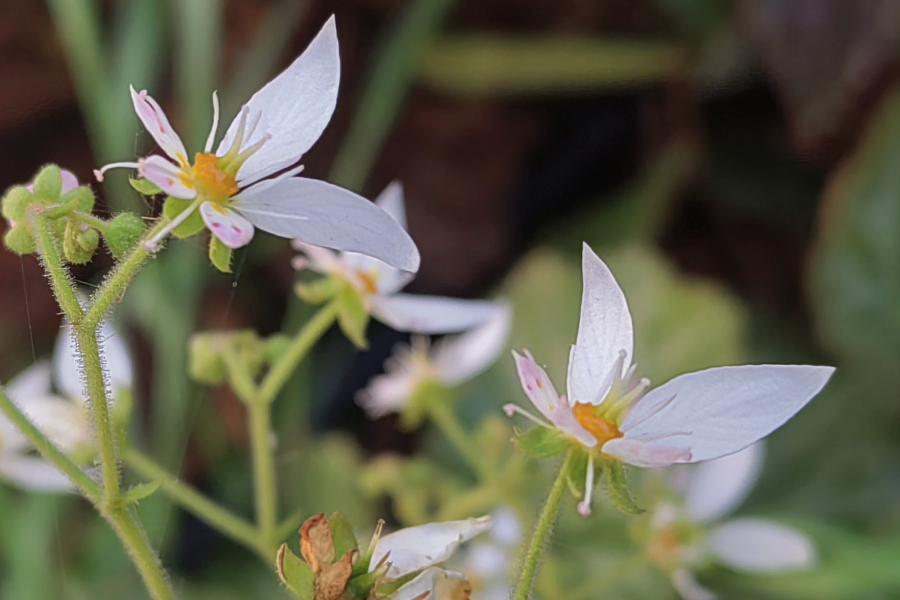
(667, 547)
(210, 180)
(369, 282)
(589, 417)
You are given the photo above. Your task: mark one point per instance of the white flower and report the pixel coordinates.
(234, 188)
(450, 362)
(379, 284)
(685, 534)
(694, 417)
(421, 548)
(489, 562)
(61, 417)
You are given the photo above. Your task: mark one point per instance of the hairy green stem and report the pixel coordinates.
(49, 450)
(197, 504)
(56, 271)
(541, 534)
(282, 370)
(131, 534)
(114, 286)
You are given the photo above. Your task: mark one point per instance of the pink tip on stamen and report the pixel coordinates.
(584, 507)
(98, 175)
(299, 263)
(584, 510)
(510, 409)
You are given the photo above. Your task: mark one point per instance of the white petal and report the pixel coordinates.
(716, 487)
(462, 357)
(537, 384)
(431, 314)
(641, 454)
(687, 587)
(167, 176)
(416, 548)
(69, 181)
(156, 123)
(66, 372)
(293, 109)
(392, 202)
(321, 260)
(388, 279)
(64, 422)
(605, 330)
(117, 362)
(760, 545)
(388, 393)
(32, 473)
(722, 410)
(507, 527)
(325, 215)
(231, 228)
(118, 369)
(33, 382)
(433, 584)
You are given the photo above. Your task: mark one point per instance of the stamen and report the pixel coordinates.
(98, 173)
(513, 409)
(152, 245)
(652, 412)
(235, 149)
(584, 507)
(215, 124)
(252, 128)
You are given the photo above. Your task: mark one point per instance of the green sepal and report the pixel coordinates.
(139, 492)
(61, 210)
(319, 291)
(191, 226)
(617, 485)
(360, 586)
(48, 184)
(144, 186)
(352, 316)
(220, 254)
(295, 574)
(342, 534)
(82, 196)
(542, 442)
(20, 240)
(79, 245)
(577, 472)
(123, 233)
(16, 202)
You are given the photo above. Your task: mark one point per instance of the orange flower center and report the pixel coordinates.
(368, 280)
(210, 180)
(602, 429)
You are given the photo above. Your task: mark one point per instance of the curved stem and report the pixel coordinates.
(441, 413)
(541, 534)
(56, 271)
(265, 483)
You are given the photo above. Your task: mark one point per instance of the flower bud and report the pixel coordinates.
(85, 198)
(48, 184)
(19, 239)
(79, 243)
(123, 233)
(205, 363)
(276, 346)
(15, 202)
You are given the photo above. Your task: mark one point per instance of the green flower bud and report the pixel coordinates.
(123, 232)
(48, 184)
(85, 198)
(19, 239)
(205, 363)
(79, 243)
(15, 202)
(276, 346)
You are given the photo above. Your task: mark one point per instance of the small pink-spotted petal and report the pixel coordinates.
(167, 176)
(537, 384)
(642, 454)
(232, 229)
(154, 119)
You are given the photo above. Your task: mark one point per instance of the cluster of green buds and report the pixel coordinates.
(215, 356)
(55, 196)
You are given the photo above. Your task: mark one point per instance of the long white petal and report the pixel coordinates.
(293, 109)
(604, 331)
(434, 584)
(642, 454)
(431, 314)
(388, 393)
(64, 422)
(687, 587)
(722, 410)
(231, 228)
(33, 382)
(325, 215)
(157, 125)
(460, 358)
(34, 474)
(759, 545)
(716, 487)
(416, 548)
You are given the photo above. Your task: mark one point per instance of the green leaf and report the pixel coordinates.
(577, 472)
(352, 315)
(220, 254)
(144, 186)
(318, 291)
(617, 485)
(191, 226)
(342, 534)
(139, 492)
(541, 442)
(295, 574)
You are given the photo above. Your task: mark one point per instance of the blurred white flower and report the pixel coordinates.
(379, 284)
(690, 531)
(62, 416)
(694, 417)
(489, 562)
(450, 362)
(233, 188)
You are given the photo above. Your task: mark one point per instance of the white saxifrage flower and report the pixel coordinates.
(249, 181)
(489, 561)
(379, 284)
(690, 531)
(694, 417)
(62, 416)
(450, 362)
